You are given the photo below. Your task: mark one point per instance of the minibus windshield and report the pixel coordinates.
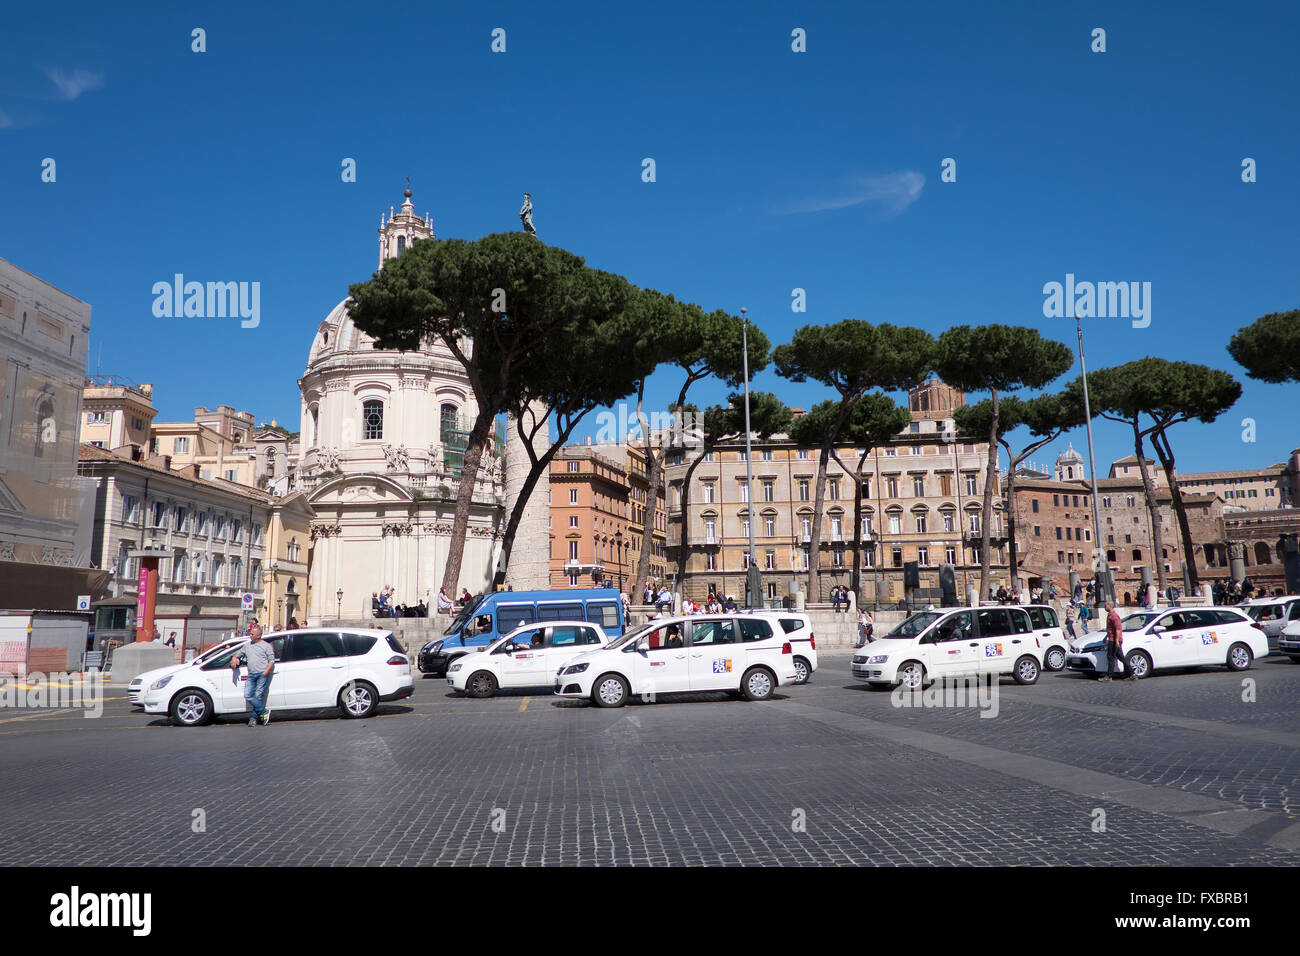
(459, 620)
(631, 635)
(914, 625)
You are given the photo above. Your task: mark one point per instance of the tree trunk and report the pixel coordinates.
(1011, 519)
(478, 439)
(815, 537)
(1153, 506)
(535, 470)
(1160, 442)
(986, 516)
(653, 467)
(683, 543)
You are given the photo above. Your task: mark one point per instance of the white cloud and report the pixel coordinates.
(892, 192)
(71, 85)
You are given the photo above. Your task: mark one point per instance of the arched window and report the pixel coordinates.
(401, 244)
(372, 418)
(1262, 554)
(447, 423)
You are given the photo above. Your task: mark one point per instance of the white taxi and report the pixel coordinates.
(937, 644)
(135, 690)
(1177, 637)
(743, 653)
(526, 657)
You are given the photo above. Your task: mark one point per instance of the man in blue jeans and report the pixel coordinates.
(260, 658)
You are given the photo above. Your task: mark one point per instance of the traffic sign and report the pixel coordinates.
(83, 602)
(246, 599)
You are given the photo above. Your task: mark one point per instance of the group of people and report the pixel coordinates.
(1232, 592)
(382, 605)
(712, 605)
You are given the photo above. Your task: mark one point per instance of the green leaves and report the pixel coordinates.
(1269, 348)
(1001, 357)
(852, 356)
(1167, 391)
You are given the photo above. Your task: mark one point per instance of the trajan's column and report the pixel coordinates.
(530, 560)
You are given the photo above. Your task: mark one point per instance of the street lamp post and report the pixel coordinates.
(279, 612)
(1103, 591)
(618, 544)
(753, 582)
(339, 595)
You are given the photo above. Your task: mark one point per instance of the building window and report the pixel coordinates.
(920, 524)
(868, 557)
(769, 491)
(833, 489)
(708, 492)
(372, 418)
(710, 528)
(573, 496)
(806, 524)
(767, 454)
(573, 580)
(803, 453)
(950, 554)
(1037, 532)
(573, 551)
(970, 484)
(710, 562)
(803, 489)
(891, 453)
(97, 418)
(837, 557)
(181, 446)
(891, 486)
(159, 515)
(866, 525)
(573, 521)
(895, 524)
(769, 560)
(923, 557)
(918, 486)
(769, 526)
(574, 465)
(1058, 534)
(1033, 503)
(897, 555)
(744, 490)
(1129, 500)
(1056, 501)
(974, 522)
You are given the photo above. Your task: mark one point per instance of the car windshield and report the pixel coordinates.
(631, 635)
(459, 620)
(212, 652)
(914, 625)
(1135, 622)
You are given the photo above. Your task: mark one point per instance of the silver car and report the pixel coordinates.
(1273, 614)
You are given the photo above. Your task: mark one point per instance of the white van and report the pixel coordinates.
(743, 653)
(526, 657)
(955, 642)
(798, 629)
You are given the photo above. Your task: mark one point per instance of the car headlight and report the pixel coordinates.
(160, 684)
(575, 669)
(455, 666)
(879, 659)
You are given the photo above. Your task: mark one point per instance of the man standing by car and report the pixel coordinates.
(1114, 631)
(260, 658)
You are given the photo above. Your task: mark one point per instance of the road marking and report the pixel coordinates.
(10, 720)
(524, 705)
(1222, 815)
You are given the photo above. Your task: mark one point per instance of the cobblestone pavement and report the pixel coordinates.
(1180, 768)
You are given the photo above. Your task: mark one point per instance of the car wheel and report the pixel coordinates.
(757, 684)
(1055, 659)
(358, 699)
(610, 690)
(192, 708)
(801, 671)
(481, 684)
(1138, 665)
(1239, 657)
(1026, 671)
(912, 675)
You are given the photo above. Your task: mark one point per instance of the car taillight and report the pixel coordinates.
(1257, 624)
(398, 659)
(812, 641)
(786, 648)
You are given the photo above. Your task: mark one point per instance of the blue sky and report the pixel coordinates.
(775, 170)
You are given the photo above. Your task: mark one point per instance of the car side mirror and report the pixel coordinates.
(1159, 629)
(642, 648)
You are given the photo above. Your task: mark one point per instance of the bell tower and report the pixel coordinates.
(400, 230)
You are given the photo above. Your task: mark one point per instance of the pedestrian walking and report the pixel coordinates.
(1071, 615)
(1084, 613)
(259, 657)
(866, 626)
(1114, 635)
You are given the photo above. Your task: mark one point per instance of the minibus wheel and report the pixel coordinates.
(609, 690)
(1026, 671)
(481, 684)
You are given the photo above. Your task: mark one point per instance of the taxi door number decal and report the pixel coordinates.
(992, 650)
(1211, 638)
(722, 666)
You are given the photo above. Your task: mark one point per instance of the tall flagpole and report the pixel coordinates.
(750, 576)
(1101, 575)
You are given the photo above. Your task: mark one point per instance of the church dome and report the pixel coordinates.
(1069, 457)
